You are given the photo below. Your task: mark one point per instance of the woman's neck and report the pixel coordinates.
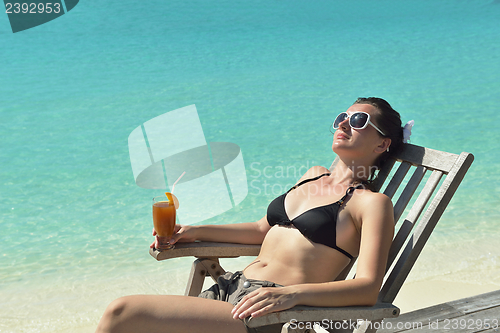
(351, 172)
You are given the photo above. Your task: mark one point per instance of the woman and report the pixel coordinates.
(308, 237)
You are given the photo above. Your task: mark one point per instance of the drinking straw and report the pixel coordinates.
(173, 186)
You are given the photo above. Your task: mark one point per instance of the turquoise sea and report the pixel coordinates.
(269, 76)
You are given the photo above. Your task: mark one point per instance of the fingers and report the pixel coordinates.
(252, 304)
(154, 245)
(178, 231)
(182, 233)
(263, 301)
(261, 311)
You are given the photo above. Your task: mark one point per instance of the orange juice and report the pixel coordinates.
(164, 218)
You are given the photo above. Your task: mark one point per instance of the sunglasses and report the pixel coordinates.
(357, 120)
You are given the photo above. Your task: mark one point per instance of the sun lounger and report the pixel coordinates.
(420, 182)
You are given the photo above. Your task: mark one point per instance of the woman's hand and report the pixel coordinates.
(183, 233)
(263, 301)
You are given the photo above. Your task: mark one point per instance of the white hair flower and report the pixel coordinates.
(407, 131)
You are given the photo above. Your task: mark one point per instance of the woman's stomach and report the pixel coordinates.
(287, 257)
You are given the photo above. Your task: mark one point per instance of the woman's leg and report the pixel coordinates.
(159, 313)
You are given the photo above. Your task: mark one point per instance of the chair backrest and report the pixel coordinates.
(429, 197)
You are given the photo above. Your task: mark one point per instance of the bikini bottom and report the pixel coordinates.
(232, 287)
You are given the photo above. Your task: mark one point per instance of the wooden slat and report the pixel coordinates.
(420, 320)
(430, 158)
(396, 180)
(413, 215)
(398, 243)
(478, 303)
(478, 306)
(195, 279)
(199, 270)
(346, 270)
(424, 196)
(424, 229)
(494, 329)
(383, 174)
(470, 323)
(409, 190)
(308, 313)
(206, 250)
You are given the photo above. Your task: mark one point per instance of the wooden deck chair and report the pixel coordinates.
(421, 201)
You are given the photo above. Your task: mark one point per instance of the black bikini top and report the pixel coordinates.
(318, 224)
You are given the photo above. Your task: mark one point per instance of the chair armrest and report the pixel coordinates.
(206, 250)
(318, 314)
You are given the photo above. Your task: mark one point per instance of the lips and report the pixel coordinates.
(342, 136)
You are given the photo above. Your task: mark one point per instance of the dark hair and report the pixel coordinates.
(389, 121)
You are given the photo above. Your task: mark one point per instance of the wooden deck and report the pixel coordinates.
(479, 313)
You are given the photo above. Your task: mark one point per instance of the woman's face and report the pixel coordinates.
(358, 142)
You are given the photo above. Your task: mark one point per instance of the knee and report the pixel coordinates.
(117, 307)
(113, 316)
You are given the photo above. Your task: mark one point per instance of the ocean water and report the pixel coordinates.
(269, 76)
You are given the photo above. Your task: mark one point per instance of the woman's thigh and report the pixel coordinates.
(166, 313)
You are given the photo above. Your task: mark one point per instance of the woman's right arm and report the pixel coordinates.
(242, 233)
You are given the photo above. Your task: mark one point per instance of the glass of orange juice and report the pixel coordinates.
(164, 210)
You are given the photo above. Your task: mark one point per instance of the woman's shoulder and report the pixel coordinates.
(369, 196)
(373, 208)
(368, 201)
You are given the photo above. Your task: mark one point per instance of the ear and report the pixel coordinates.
(384, 144)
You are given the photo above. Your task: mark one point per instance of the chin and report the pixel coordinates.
(338, 147)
